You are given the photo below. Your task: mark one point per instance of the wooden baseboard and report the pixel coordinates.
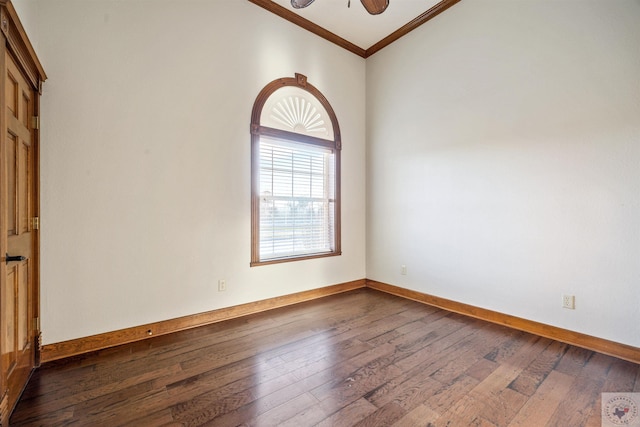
(600, 345)
(78, 346)
(61, 350)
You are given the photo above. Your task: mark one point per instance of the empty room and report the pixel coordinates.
(320, 213)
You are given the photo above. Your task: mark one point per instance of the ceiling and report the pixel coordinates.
(353, 27)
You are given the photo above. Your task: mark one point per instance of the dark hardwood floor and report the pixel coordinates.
(362, 358)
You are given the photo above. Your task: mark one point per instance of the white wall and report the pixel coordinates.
(27, 11)
(503, 154)
(504, 161)
(146, 158)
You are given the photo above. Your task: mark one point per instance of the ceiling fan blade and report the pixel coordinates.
(299, 4)
(374, 7)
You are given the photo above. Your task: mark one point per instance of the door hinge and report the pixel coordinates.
(35, 223)
(36, 323)
(35, 122)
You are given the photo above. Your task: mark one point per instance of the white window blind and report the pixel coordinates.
(297, 199)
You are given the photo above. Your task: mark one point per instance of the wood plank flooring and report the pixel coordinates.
(362, 358)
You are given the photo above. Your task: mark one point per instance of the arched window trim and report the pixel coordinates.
(257, 131)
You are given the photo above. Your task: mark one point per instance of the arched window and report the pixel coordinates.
(295, 174)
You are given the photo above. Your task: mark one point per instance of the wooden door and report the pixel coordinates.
(21, 78)
(18, 292)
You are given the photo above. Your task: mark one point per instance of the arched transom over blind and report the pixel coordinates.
(295, 200)
(296, 110)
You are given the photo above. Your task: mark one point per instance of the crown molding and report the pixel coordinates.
(316, 29)
(335, 39)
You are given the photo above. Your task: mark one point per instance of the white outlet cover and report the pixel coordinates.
(569, 301)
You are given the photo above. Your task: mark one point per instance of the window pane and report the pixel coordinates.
(297, 209)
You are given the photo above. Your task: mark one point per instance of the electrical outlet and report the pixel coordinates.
(569, 301)
(403, 270)
(222, 285)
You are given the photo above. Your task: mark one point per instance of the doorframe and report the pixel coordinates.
(15, 42)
